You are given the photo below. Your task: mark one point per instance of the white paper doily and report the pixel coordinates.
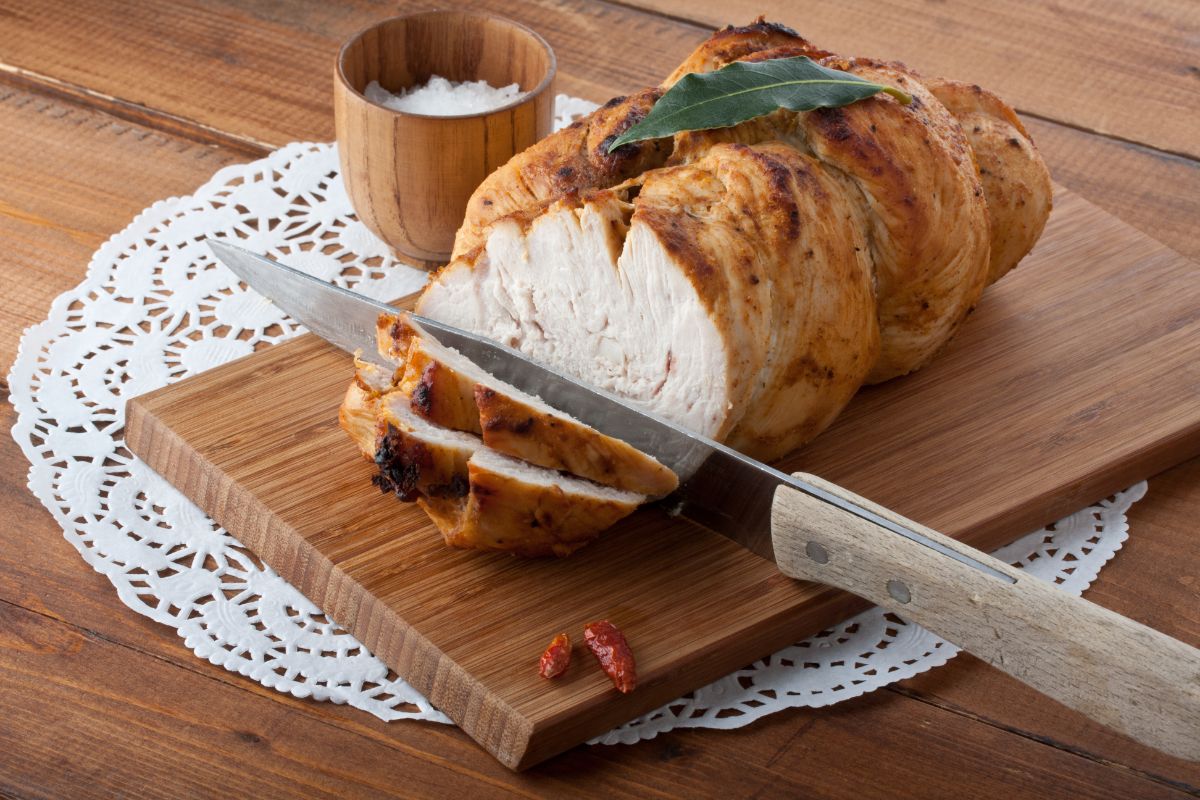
(155, 308)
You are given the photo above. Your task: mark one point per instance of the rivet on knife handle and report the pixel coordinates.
(1119, 672)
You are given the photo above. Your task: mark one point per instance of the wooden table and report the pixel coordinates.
(105, 108)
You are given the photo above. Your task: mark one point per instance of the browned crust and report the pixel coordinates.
(566, 163)
(819, 357)
(517, 430)
(1015, 180)
(438, 393)
(917, 199)
(510, 515)
(356, 416)
(930, 223)
(477, 508)
(473, 506)
(731, 44)
(409, 468)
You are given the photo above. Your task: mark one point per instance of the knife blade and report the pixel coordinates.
(720, 489)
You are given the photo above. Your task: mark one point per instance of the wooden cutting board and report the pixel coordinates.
(1078, 375)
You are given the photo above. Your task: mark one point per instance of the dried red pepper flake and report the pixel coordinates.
(608, 645)
(556, 658)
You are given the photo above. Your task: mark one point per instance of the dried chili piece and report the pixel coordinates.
(608, 645)
(557, 657)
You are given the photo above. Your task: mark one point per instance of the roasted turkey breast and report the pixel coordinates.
(744, 282)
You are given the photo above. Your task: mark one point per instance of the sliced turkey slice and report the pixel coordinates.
(448, 389)
(516, 507)
(359, 409)
(484, 500)
(417, 459)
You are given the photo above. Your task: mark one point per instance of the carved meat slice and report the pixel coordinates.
(516, 507)
(417, 459)
(483, 500)
(446, 388)
(359, 411)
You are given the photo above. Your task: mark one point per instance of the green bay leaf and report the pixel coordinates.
(745, 90)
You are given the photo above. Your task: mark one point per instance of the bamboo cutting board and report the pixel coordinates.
(1078, 375)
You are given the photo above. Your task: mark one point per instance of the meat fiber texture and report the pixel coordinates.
(745, 282)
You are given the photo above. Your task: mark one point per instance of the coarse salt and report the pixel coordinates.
(444, 98)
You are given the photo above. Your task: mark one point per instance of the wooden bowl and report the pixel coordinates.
(409, 176)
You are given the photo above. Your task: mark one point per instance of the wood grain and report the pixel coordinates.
(180, 734)
(1131, 678)
(269, 92)
(965, 729)
(935, 743)
(206, 743)
(952, 446)
(1153, 580)
(1115, 65)
(409, 176)
(59, 201)
(1154, 192)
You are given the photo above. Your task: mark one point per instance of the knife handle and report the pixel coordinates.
(1121, 673)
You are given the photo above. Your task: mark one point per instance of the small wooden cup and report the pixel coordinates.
(409, 176)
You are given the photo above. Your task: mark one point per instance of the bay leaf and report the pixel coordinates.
(745, 90)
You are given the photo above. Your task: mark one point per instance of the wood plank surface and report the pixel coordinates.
(1101, 53)
(812, 753)
(263, 102)
(1138, 584)
(67, 692)
(1043, 752)
(1155, 192)
(59, 201)
(267, 101)
(1125, 68)
(1038, 405)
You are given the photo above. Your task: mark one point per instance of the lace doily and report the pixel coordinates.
(155, 308)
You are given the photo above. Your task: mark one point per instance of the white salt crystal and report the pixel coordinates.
(443, 98)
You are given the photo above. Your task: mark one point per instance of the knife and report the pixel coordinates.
(1130, 677)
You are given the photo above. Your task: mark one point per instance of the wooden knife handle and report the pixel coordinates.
(1118, 672)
